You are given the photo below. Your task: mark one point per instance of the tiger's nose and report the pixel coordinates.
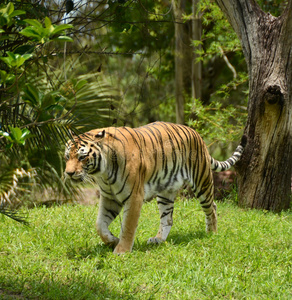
(70, 173)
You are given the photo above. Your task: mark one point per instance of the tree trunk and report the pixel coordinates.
(196, 65)
(183, 56)
(264, 172)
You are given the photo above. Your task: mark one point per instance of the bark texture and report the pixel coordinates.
(182, 43)
(264, 173)
(188, 73)
(196, 65)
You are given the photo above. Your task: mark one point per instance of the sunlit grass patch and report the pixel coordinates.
(60, 256)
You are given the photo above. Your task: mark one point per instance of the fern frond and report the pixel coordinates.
(14, 215)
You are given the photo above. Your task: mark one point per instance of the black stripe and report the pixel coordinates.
(127, 198)
(164, 198)
(123, 186)
(165, 213)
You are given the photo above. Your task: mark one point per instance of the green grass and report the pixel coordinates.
(60, 256)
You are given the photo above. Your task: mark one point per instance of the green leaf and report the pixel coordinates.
(60, 28)
(24, 49)
(80, 84)
(48, 22)
(7, 60)
(9, 8)
(2, 30)
(48, 100)
(15, 134)
(25, 133)
(17, 13)
(31, 95)
(18, 136)
(31, 32)
(15, 60)
(34, 23)
(64, 38)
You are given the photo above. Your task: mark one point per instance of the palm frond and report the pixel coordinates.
(9, 184)
(14, 215)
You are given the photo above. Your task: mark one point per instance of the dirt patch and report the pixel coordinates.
(9, 295)
(90, 196)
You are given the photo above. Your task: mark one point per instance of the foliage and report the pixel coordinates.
(60, 256)
(275, 7)
(117, 69)
(216, 123)
(221, 113)
(41, 34)
(131, 43)
(38, 106)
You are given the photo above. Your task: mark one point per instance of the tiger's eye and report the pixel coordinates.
(81, 157)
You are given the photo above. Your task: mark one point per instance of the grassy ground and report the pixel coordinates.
(61, 257)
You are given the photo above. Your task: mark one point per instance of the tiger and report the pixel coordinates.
(132, 166)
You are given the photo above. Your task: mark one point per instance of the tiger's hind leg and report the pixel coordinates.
(165, 205)
(206, 196)
(108, 211)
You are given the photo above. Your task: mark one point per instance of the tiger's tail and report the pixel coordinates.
(219, 166)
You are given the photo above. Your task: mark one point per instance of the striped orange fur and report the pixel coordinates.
(134, 165)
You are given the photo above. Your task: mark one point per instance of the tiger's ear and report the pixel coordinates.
(101, 134)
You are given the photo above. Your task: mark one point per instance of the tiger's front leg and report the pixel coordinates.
(131, 216)
(108, 210)
(165, 205)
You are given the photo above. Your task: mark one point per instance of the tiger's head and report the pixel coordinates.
(83, 156)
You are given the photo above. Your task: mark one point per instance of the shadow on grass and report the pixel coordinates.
(176, 238)
(186, 237)
(78, 287)
(88, 252)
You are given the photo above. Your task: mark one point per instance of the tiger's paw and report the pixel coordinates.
(155, 240)
(120, 249)
(113, 243)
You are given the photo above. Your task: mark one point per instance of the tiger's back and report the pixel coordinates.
(135, 165)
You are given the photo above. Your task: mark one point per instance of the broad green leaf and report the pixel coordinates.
(48, 22)
(48, 100)
(31, 95)
(31, 32)
(7, 60)
(2, 30)
(25, 133)
(11, 55)
(6, 77)
(26, 56)
(60, 28)
(64, 38)
(17, 13)
(15, 60)
(18, 135)
(9, 8)
(24, 49)
(34, 22)
(15, 133)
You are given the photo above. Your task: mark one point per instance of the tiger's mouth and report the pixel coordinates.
(74, 178)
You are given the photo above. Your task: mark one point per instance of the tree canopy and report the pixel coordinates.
(108, 62)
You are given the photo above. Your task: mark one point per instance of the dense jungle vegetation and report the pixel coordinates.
(107, 63)
(70, 66)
